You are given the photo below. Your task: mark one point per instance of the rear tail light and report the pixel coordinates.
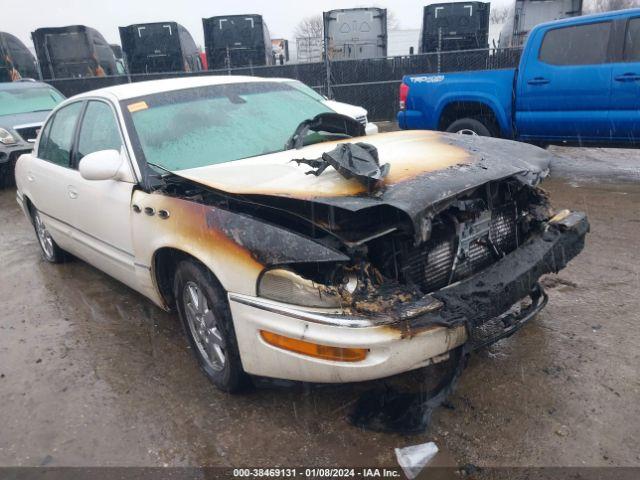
(404, 93)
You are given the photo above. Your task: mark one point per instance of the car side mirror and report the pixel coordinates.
(102, 165)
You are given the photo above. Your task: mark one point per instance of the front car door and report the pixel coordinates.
(625, 86)
(102, 207)
(49, 174)
(564, 85)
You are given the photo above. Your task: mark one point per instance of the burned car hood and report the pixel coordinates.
(426, 169)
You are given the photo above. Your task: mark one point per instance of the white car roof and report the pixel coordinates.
(138, 89)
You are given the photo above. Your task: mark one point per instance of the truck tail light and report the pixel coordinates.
(404, 93)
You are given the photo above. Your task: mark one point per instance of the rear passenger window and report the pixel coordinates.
(577, 45)
(57, 139)
(632, 41)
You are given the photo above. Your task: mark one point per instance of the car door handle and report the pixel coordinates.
(627, 77)
(73, 193)
(538, 81)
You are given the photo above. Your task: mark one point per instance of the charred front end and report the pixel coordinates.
(397, 276)
(476, 256)
(465, 259)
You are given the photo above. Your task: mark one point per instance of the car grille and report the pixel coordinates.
(431, 265)
(362, 119)
(29, 133)
(13, 156)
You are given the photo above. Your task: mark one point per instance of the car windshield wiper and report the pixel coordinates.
(296, 138)
(330, 122)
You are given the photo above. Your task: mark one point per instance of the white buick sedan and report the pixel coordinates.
(291, 245)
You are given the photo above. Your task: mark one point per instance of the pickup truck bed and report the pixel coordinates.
(578, 81)
(437, 100)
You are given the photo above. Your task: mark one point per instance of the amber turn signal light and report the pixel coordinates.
(325, 352)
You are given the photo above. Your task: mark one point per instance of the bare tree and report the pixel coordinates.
(309, 27)
(608, 5)
(498, 15)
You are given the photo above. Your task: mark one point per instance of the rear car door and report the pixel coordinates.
(625, 86)
(564, 85)
(49, 175)
(102, 207)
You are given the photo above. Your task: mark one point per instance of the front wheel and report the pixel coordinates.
(206, 318)
(469, 126)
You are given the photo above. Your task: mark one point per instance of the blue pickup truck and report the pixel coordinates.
(578, 81)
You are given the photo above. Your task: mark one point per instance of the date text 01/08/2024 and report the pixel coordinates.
(316, 473)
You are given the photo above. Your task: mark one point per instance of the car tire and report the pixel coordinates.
(50, 250)
(469, 126)
(206, 318)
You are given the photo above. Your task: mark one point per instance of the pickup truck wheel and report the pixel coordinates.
(50, 250)
(206, 318)
(469, 126)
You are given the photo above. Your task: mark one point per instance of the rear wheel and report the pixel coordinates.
(50, 250)
(206, 318)
(469, 126)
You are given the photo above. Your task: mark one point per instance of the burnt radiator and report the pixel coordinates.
(478, 244)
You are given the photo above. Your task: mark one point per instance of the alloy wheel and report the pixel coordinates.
(204, 326)
(44, 237)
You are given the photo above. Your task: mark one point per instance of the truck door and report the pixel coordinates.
(625, 86)
(564, 84)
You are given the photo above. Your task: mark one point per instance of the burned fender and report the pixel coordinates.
(270, 244)
(233, 246)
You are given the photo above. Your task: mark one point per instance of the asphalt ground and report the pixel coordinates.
(92, 374)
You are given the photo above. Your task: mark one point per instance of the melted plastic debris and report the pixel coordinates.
(387, 410)
(414, 458)
(352, 160)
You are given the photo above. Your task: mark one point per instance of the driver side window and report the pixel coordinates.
(99, 130)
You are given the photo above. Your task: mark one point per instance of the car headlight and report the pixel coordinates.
(289, 287)
(6, 137)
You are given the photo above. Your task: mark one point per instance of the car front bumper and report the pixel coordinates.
(477, 311)
(10, 153)
(8, 157)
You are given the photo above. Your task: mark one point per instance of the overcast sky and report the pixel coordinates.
(22, 17)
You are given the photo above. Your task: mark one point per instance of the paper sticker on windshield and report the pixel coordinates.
(136, 107)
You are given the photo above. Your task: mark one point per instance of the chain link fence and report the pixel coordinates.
(371, 83)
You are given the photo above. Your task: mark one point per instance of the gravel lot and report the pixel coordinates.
(92, 374)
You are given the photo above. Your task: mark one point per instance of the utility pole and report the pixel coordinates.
(327, 63)
(439, 49)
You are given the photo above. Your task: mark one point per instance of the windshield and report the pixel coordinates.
(25, 100)
(217, 124)
(306, 89)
